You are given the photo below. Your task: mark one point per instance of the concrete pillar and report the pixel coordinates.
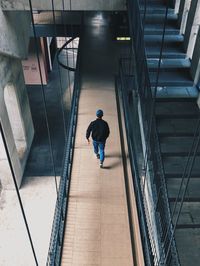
(195, 63)
(15, 112)
(16, 120)
(14, 37)
(5, 173)
(183, 14)
(180, 12)
(192, 27)
(177, 5)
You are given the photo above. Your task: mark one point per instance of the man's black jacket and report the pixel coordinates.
(100, 130)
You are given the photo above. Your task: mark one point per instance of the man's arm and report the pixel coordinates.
(108, 130)
(89, 129)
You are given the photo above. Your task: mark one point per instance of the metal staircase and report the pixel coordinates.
(167, 98)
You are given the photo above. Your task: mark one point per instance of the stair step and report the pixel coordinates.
(180, 175)
(192, 191)
(175, 165)
(154, 31)
(152, 2)
(169, 63)
(176, 93)
(186, 199)
(172, 82)
(160, 17)
(177, 116)
(170, 46)
(155, 9)
(171, 77)
(167, 54)
(176, 146)
(190, 214)
(155, 21)
(169, 38)
(176, 127)
(177, 109)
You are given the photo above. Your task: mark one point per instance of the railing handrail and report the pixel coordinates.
(64, 47)
(143, 88)
(56, 240)
(133, 162)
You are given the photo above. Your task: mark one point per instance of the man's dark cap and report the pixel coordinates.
(99, 113)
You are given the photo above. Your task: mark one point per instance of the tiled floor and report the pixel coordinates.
(97, 227)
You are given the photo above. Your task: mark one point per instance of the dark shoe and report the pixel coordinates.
(98, 156)
(101, 165)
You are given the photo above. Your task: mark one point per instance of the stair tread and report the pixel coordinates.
(167, 47)
(177, 108)
(158, 31)
(176, 127)
(158, 24)
(166, 54)
(178, 92)
(160, 16)
(171, 77)
(155, 9)
(172, 38)
(176, 145)
(169, 63)
(176, 165)
(192, 191)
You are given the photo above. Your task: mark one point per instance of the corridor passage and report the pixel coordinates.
(97, 225)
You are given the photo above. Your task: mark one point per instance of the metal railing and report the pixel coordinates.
(149, 177)
(64, 47)
(129, 103)
(56, 241)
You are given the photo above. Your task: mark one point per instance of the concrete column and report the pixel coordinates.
(192, 27)
(180, 12)
(177, 5)
(16, 120)
(25, 114)
(183, 14)
(14, 37)
(195, 63)
(15, 112)
(5, 173)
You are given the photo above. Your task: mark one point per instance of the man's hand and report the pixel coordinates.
(88, 141)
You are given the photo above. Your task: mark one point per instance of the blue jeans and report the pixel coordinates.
(99, 148)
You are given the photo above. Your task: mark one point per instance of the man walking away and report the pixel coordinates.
(100, 132)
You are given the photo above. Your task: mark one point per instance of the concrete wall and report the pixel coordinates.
(183, 14)
(192, 27)
(107, 5)
(177, 6)
(11, 75)
(30, 65)
(15, 115)
(14, 29)
(195, 63)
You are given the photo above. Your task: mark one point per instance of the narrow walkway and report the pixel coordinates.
(97, 227)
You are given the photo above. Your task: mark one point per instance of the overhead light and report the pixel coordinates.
(123, 38)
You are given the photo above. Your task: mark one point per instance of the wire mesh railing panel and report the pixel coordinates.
(55, 248)
(153, 196)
